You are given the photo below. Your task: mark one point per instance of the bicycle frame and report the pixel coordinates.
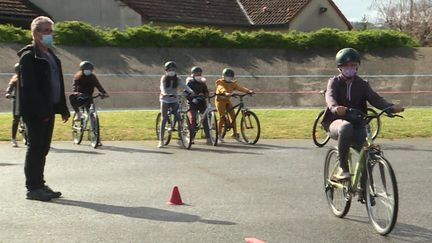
(363, 158)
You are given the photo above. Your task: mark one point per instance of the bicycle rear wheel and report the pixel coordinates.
(337, 198)
(375, 123)
(382, 195)
(77, 130)
(319, 135)
(185, 131)
(212, 125)
(94, 135)
(250, 127)
(167, 133)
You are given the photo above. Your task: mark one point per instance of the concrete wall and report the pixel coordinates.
(311, 19)
(282, 78)
(106, 13)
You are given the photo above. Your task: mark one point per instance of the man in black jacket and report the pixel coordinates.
(40, 95)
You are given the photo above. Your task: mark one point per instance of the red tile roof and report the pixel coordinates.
(215, 12)
(272, 12)
(19, 10)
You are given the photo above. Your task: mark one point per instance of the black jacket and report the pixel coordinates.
(86, 84)
(354, 95)
(34, 95)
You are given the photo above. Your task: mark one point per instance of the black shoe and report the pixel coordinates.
(39, 194)
(51, 192)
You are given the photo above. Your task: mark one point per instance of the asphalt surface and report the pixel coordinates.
(271, 191)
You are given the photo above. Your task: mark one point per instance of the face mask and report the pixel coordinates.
(228, 79)
(348, 72)
(198, 78)
(171, 73)
(87, 72)
(47, 40)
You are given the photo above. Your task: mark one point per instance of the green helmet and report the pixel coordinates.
(86, 65)
(170, 64)
(196, 69)
(228, 72)
(17, 67)
(347, 55)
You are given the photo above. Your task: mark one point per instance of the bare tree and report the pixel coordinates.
(411, 16)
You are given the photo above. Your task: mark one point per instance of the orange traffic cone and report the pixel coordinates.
(175, 198)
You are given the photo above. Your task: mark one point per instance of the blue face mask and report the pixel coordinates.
(47, 40)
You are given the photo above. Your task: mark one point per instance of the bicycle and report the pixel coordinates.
(22, 129)
(249, 124)
(184, 129)
(381, 192)
(89, 122)
(209, 116)
(320, 136)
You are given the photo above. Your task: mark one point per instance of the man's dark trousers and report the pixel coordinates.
(39, 135)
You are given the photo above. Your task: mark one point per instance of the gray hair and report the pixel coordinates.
(38, 21)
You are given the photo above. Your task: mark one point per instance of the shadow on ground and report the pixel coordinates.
(141, 212)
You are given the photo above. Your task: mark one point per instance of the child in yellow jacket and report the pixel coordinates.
(224, 88)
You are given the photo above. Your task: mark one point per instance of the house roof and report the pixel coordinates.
(19, 10)
(216, 12)
(279, 12)
(223, 12)
(272, 12)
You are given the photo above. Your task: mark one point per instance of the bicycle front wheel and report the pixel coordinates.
(77, 130)
(94, 135)
(23, 130)
(336, 194)
(319, 135)
(375, 123)
(212, 126)
(185, 131)
(382, 195)
(250, 127)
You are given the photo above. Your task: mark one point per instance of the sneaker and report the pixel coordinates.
(340, 175)
(39, 194)
(180, 142)
(78, 116)
(51, 192)
(14, 143)
(236, 137)
(161, 144)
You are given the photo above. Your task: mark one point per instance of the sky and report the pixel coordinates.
(354, 10)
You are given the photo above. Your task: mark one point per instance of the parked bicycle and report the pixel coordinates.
(320, 136)
(89, 122)
(380, 190)
(209, 119)
(249, 123)
(183, 125)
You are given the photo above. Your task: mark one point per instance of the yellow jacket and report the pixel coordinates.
(223, 87)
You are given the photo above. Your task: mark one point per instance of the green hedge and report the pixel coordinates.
(83, 34)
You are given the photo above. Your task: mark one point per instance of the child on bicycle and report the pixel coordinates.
(10, 94)
(169, 84)
(224, 89)
(344, 91)
(83, 87)
(198, 102)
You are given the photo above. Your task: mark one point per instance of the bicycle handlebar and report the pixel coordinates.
(358, 114)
